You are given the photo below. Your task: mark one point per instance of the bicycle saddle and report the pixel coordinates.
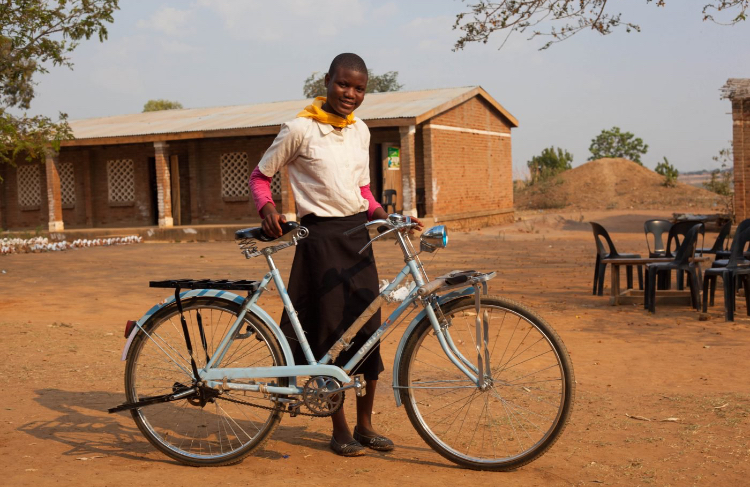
(258, 234)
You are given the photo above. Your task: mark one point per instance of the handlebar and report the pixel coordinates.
(395, 222)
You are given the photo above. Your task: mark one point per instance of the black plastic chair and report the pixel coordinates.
(681, 263)
(389, 199)
(720, 242)
(656, 229)
(674, 241)
(601, 237)
(729, 275)
(723, 255)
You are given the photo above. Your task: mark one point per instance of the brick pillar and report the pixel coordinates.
(741, 149)
(408, 167)
(3, 191)
(429, 184)
(195, 193)
(87, 193)
(163, 184)
(288, 206)
(54, 194)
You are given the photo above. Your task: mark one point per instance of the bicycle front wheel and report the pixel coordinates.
(525, 405)
(221, 429)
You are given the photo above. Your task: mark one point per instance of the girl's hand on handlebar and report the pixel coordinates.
(272, 221)
(419, 226)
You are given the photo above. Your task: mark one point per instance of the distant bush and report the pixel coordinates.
(669, 172)
(549, 163)
(721, 179)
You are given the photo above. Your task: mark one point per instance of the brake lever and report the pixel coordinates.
(376, 238)
(355, 229)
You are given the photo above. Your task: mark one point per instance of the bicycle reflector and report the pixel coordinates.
(129, 327)
(433, 239)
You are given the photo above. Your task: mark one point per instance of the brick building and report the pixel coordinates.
(444, 154)
(738, 92)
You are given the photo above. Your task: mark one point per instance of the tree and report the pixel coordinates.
(315, 83)
(549, 163)
(36, 34)
(669, 172)
(157, 105)
(613, 143)
(558, 20)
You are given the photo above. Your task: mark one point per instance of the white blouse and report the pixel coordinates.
(326, 166)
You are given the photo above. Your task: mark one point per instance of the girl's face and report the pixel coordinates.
(346, 90)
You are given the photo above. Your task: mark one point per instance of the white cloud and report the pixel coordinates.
(119, 79)
(176, 47)
(170, 21)
(287, 19)
(384, 11)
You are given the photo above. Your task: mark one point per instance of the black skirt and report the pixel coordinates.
(330, 285)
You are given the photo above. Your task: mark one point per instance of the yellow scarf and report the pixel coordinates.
(316, 112)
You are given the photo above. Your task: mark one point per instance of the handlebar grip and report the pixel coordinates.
(286, 227)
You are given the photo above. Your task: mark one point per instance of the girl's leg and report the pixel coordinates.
(341, 431)
(364, 409)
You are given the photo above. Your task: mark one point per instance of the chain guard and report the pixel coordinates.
(318, 399)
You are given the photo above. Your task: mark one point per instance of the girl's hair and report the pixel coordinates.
(348, 60)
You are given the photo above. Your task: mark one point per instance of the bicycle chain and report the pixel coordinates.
(273, 408)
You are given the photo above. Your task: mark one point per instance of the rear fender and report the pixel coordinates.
(442, 300)
(220, 295)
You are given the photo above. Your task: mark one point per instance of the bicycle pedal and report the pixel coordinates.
(359, 385)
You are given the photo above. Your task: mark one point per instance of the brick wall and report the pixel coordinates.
(741, 148)
(210, 206)
(471, 173)
(27, 217)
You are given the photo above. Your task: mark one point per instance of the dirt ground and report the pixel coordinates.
(62, 316)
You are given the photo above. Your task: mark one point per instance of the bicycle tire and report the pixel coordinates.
(532, 390)
(216, 433)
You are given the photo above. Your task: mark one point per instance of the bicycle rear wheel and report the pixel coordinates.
(522, 412)
(218, 431)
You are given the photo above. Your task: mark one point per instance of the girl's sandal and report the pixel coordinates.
(377, 442)
(351, 449)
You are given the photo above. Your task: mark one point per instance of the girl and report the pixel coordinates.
(326, 149)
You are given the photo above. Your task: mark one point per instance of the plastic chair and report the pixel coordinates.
(656, 229)
(674, 240)
(389, 199)
(723, 255)
(681, 263)
(601, 237)
(720, 242)
(729, 275)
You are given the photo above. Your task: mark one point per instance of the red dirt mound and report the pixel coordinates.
(608, 184)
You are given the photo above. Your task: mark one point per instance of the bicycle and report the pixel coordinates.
(486, 382)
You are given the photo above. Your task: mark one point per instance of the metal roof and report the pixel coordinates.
(391, 105)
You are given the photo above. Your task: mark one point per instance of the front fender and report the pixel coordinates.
(221, 295)
(444, 299)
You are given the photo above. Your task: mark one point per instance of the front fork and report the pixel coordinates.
(480, 374)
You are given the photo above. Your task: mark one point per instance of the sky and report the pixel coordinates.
(661, 84)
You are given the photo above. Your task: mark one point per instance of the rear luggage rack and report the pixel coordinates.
(224, 284)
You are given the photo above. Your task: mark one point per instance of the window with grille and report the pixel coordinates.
(276, 185)
(29, 186)
(121, 181)
(67, 184)
(235, 174)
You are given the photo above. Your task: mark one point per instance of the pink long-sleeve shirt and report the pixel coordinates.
(260, 187)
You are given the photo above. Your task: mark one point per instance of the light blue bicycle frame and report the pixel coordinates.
(218, 377)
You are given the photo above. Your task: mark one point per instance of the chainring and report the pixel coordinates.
(318, 398)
